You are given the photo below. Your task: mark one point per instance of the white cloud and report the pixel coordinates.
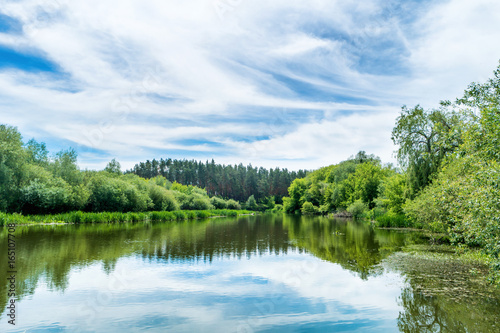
(457, 47)
(221, 296)
(142, 75)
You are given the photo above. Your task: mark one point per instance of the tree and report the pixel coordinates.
(12, 160)
(308, 208)
(425, 138)
(37, 152)
(64, 166)
(363, 183)
(251, 203)
(294, 202)
(392, 192)
(357, 209)
(113, 167)
(232, 204)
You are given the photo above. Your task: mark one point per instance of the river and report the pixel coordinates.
(264, 273)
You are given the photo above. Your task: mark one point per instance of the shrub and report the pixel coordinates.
(392, 220)
(218, 203)
(251, 203)
(308, 208)
(357, 209)
(232, 204)
(277, 209)
(202, 214)
(162, 199)
(200, 203)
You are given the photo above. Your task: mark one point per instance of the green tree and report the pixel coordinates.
(424, 139)
(294, 202)
(232, 204)
(363, 184)
(392, 192)
(64, 166)
(251, 203)
(308, 208)
(37, 152)
(113, 167)
(218, 203)
(162, 199)
(12, 161)
(357, 209)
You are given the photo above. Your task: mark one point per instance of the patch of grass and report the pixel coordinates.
(117, 217)
(393, 220)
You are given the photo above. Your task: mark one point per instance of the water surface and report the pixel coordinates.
(262, 273)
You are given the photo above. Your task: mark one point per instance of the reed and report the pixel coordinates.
(78, 217)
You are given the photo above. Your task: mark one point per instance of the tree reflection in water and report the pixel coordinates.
(439, 295)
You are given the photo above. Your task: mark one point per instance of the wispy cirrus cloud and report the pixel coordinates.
(289, 83)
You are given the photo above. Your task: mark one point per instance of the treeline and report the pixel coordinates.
(236, 182)
(450, 183)
(357, 185)
(32, 182)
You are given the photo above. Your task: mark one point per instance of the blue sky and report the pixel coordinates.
(296, 84)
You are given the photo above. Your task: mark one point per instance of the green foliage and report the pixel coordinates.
(251, 203)
(117, 195)
(358, 209)
(64, 166)
(296, 191)
(37, 152)
(392, 192)
(463, 199)
(235, 182)
(218, 203)
(12, 161)
(308, 208)
(363, 183)
(232, 204)
(46, 198)
(393, 220)
(425, 138)
(277, 209)
(335, 187)
(162, 199)
(268, 203)
(113, 167)
(161, 181)
(115, 217)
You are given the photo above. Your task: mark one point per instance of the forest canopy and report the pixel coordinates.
(449, 180)
(33, 182)
(236, 182)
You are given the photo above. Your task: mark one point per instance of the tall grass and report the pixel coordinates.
(393, 220)
(117, 217)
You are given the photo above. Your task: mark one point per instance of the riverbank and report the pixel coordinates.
(117, 217)
(441, 242)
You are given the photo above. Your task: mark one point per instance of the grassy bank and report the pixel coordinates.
(114, 217)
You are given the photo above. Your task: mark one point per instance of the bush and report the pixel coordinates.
(200, 203)
(218, 203)
(251, 203)
(202, 214)
(308, 208)
(162, 199)
(43, 198)
(116, 195)
(277, 209)
(392, 220)
(231, 204)
(357, 209)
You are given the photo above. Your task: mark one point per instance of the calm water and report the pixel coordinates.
(252, 274)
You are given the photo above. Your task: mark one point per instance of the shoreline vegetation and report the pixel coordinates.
(117, 217)
(447, 182)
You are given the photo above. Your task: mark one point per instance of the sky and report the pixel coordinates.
(282, 83)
